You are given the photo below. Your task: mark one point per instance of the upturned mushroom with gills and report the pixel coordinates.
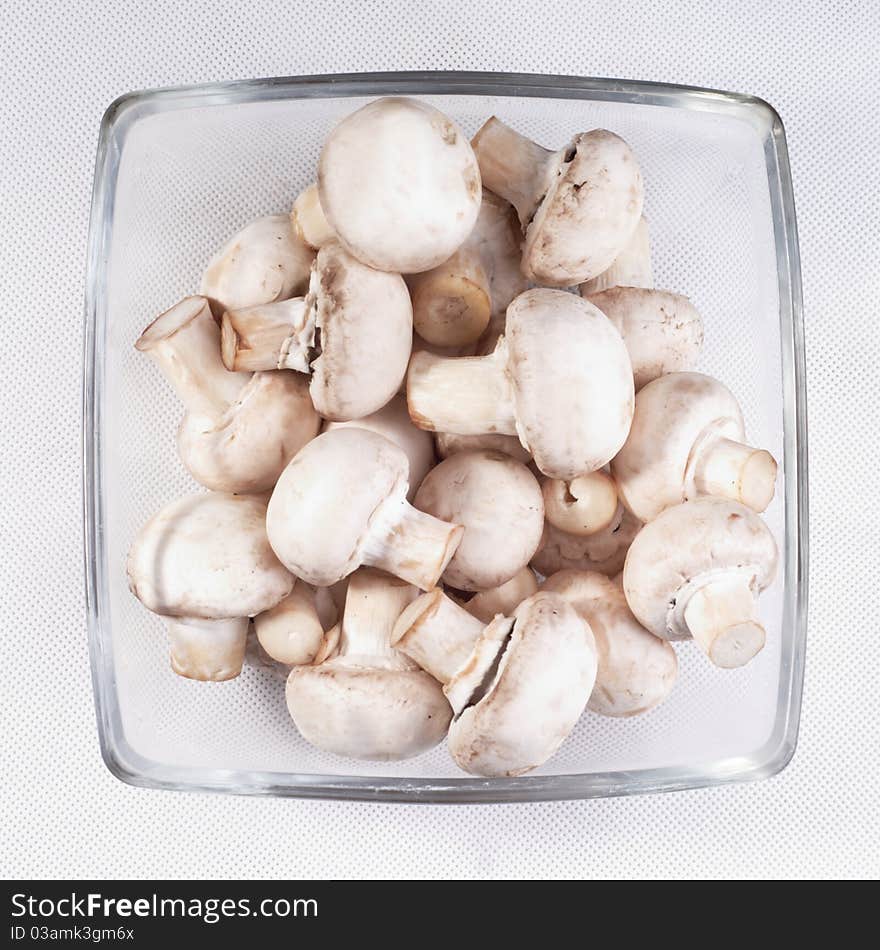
(636, 670)
(631, 268)
(696, 571)
(560, 379)
(688, 439)
(578, 206)
(341, 503)
(399, 185)
(517, 686)
(204, 563)
(352, 332)
(369, 701)
(240, 429)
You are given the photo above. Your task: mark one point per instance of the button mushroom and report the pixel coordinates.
(240, 429)
(341, 502)
(369, 701)
(293, 632)
(631, 268)
(308, 220)
(696, 570)
(353, 332)
(662, 331)
(517, 686)
(560, 378)
(393, 422)
(498, 503)
(262, 263)
(578, 207)
(603, 552)
(203, 562)
(399, 184)
(687, 439)
(636, 669)
(504, 599)
(583, 505)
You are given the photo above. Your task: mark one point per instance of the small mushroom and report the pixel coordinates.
(293, 631)
(453, 302)
(517, 686)
(353, 332)
(662, 331)
(369, 701)
(203, 562)
(603, 552)
(263, 262)
(687, 439)
(696, 571)
(308, 220)
(560, 378)
(449, 444)
(399, 184)
(578, 207)
(498, 503)
(393, 422)
(504, 599)
(636, 669)
(240, 429)
(583, 505)
(631, 268)
(341, 503)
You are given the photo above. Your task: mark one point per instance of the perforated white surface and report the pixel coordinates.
(62, 813)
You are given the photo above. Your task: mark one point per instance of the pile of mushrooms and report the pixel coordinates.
(462, 479)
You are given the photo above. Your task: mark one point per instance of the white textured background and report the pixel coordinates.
(61, 813)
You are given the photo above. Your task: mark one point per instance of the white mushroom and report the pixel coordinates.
(341, 502)
(504, 599)
(204, 563)
(452, 303)
(603, 552)
(636, 669)
(240, 429)
(261, 263)
(293, 631)
(353, 332)
(662, 331)
(399, 184)
(688, 439)
(631, 268)
(498, 503)
(517, 686)
(696, 571)
(578, 207)
(560, 379)
(393, 422)
(583, 505)
(449, 444)
(369, 701)
(308, 220)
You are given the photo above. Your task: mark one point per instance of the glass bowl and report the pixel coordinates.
(178, 170)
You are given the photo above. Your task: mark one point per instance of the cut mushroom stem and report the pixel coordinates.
(721, 619)
(278, 335)
(729, 469)
(452, 302)
(309, 222)
(582, 506)
(208, 650)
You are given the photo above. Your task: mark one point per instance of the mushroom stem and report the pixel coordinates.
(582, 506)
(438, 634)
(308, 220)
(207, 650)
(185, 343)
(410, 544)
(372, 605)
(721, 619)
(729, 469)
(279, 335)
(513, 167)
(468, 395)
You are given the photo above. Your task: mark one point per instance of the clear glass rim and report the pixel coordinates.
(127, 765)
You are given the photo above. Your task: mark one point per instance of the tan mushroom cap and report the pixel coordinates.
(603, 552)
(291, 632)
(636, 669)
(399, 184)
(498, 502)
(504, 599)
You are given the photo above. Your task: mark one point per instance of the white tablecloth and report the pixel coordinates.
(61, 812)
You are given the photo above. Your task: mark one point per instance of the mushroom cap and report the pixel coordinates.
(672, 415)
(496, 237)
(589, 214)
(449, 444)
(688, 545)
(603, 552)
(263, 262)
(499, 503)
(572, 381)
(207, 556)
(636, 669)
(320, 510)
(543, 680)
(367, 712)
(399, 184)
(365, 319)
(247, 450)
(393, 422)
(663, 332)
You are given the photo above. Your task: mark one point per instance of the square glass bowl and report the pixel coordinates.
(179, 170)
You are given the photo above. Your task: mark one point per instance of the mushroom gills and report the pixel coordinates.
(475, 681)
